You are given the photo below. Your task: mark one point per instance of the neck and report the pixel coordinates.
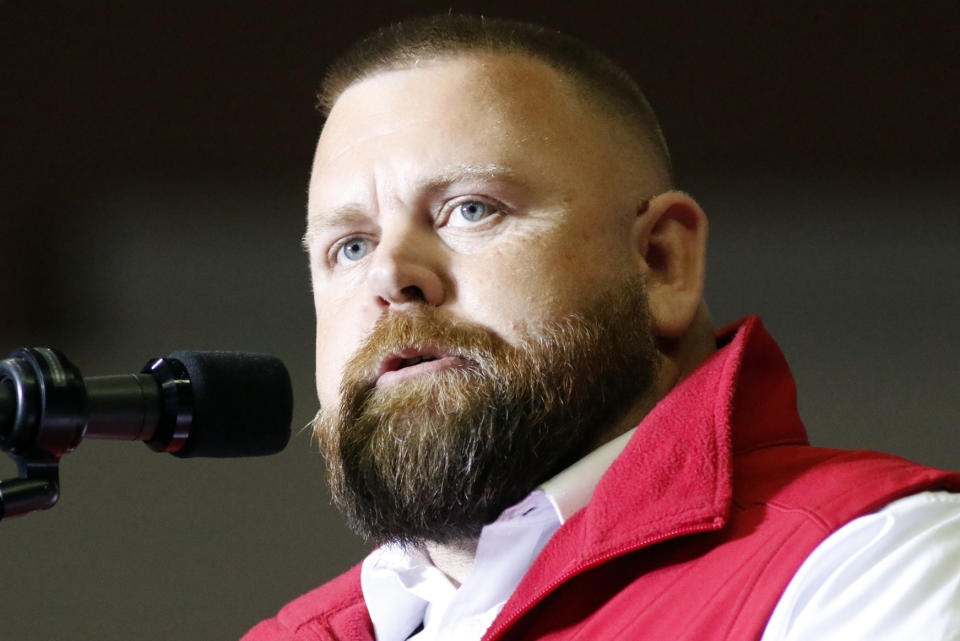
(455, 560)
(678, 357)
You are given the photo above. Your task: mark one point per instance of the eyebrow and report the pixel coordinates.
(352, 214)
(460, 173)
(349, 215)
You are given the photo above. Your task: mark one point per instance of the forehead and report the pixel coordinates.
(470, 91)
(479, 111)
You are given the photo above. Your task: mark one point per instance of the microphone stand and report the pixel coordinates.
(37, 488)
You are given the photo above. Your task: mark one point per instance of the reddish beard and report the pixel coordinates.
(437, 456)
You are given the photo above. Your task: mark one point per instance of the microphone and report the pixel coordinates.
(215, 404)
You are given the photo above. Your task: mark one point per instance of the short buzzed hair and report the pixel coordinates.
(406, 44)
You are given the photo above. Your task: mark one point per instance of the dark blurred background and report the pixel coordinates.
(154, 164)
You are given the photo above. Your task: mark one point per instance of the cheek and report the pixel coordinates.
(542, 278)
(338, 336)
(511, 289)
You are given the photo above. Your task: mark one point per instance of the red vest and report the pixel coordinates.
(694, 531)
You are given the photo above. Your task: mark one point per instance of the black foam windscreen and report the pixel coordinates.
(242, 404)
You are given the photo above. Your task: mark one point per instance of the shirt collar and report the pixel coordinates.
(402, 588)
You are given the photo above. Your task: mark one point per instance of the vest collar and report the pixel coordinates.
(680, 457)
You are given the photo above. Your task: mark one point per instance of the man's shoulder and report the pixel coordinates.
(334, 606)
(832, 486)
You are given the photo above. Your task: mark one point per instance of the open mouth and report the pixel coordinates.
(417, 361)
(407, 362)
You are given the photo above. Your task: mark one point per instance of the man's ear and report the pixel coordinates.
(670, 238)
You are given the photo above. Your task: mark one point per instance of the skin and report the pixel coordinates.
(565, 202)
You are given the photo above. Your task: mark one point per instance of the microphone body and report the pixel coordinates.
(216, 404)
(188, 404)
(125, 407)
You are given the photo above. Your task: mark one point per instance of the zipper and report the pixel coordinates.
(495, 633)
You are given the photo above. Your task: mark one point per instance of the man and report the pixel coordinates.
(522, 396)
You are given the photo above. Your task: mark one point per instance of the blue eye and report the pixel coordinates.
(353, 249)
(473, 210)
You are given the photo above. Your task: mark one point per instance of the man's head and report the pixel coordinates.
(483, 210)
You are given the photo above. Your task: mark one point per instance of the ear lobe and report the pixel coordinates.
(670, 237)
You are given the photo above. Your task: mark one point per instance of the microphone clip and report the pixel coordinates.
(42, 416)
(47, 408)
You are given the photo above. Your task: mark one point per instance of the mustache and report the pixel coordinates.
(423, 329)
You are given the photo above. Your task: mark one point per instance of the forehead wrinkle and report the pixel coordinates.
(342, 148)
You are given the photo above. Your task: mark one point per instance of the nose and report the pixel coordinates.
(405, 270)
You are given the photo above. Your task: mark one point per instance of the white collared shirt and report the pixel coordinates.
(877, 578)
